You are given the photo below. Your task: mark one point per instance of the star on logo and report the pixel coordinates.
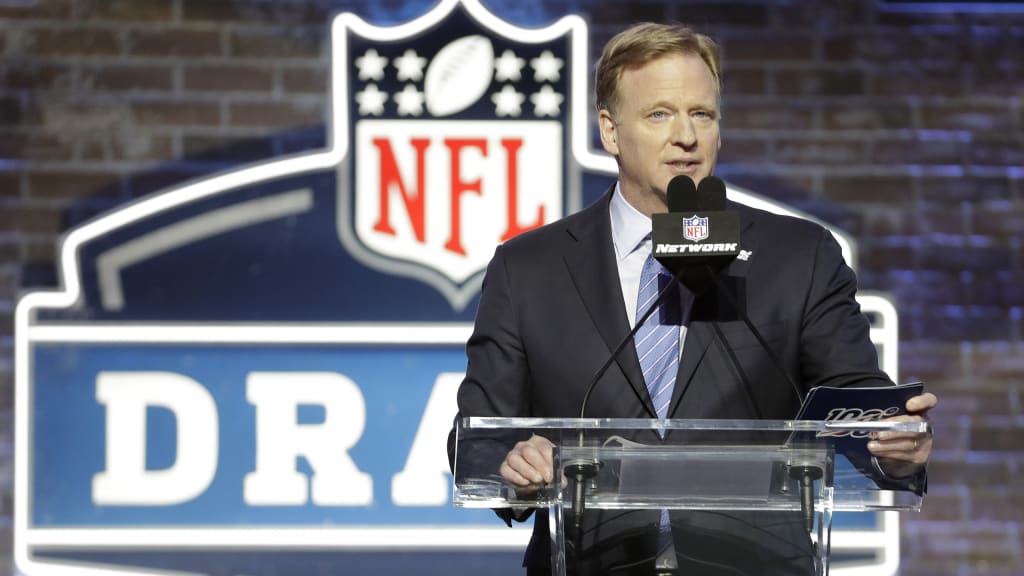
(745, 255)
(508, 102)
(546, 102)
(371, 65)
(371, 101)
(546, 67)
(410, 101)
(508, 66)
(410, 66)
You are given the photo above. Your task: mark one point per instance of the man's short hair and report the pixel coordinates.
(641, 43)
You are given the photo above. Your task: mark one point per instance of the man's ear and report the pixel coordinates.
(609, 132)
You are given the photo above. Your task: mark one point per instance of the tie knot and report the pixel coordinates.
(655, 278)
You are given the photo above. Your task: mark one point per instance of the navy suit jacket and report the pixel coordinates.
(551, 312)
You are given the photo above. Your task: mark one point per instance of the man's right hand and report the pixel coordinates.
(529, 464)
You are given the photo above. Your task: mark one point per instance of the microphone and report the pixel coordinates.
(698, 232)
(681, 195)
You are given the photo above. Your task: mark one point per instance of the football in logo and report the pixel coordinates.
(459, 75)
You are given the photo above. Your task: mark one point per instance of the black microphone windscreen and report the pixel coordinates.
(711, 194)
(682, 194)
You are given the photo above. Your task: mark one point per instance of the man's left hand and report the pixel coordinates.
(907, 446)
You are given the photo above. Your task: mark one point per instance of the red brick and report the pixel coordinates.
(229, 79)
(895, 45)
(882, 222)
(31, 220)
(141, 184)
(989, 436)
(289, 13)
(998, 150)
(124, 146)
(159, 10)
(10, 184)
(820, 82)
(956, 253)
(1002, 363)
(885, 256)
(926, 80)
(917, 150)
(306, 43)
(214, 11)
(10, 254)
(37, 76)
(119, 78)
(989, 78)
(965, 188)
(785, 187)
(819, 150)
(876, 114)
(762, 114)
(10, 110)
(305, 80)
(25, 144)
(893, 191)
(72, 184)
(940, 218)
(942, 508)
(38, 251)
(38, 9)
(963, 471)
(73, 42)
(177, 113)
(821, 15)
(999, 221)
(968, 115)
(225, 149)
(743, 148)
(175, 43)
(993, 400)
(276, 114)
(763, 48)
(6, 331)
(615, 13)
(926, 288)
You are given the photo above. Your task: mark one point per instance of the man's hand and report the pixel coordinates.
(909, 447)
(529, 464)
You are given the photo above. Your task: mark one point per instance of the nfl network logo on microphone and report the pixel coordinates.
(695, 228)
(256, 372)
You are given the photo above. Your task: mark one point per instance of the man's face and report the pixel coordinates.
(666, 125)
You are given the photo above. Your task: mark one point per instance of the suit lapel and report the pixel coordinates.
(591, 263)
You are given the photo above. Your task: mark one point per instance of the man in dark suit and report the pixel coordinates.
(556, 301)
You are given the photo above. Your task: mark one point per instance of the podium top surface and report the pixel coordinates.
(564, 424)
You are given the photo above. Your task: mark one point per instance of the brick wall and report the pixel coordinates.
(905, 129)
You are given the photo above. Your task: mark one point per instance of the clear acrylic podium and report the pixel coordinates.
(738, 492)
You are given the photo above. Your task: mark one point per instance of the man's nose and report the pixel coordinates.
(684, 132)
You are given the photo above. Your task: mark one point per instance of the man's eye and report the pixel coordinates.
(658, 115)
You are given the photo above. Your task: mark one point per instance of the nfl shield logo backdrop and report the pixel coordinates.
(457, 144)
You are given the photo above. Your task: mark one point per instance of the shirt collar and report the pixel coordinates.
(630, 228)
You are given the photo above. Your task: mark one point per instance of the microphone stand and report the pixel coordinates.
(583, 470)
(805, 474)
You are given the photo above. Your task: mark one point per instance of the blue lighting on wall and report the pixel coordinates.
(938, 7)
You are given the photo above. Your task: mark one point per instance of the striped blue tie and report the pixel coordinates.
(657, 346)
(657, 341)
